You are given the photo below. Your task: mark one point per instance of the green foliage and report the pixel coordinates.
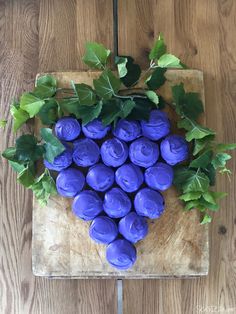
(169, 61)
(28, 149)
(19, 115)
(31, 104)
(116, 108)
(96, 55)
(3, 123)
(85, 94)
(129, 72)
(89, 113)
(158, 49)
(26, 177)
(53, 147)
(157, 79)
(48, 113)
(153, 97)
(107, 85)
(194, 181)
(43, 187)
(142, 109)
(187, 104)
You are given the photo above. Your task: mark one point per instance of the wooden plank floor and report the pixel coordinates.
(49, 35)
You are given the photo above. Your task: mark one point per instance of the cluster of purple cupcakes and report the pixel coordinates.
(121, 184)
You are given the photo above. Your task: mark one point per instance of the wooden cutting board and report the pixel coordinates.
(176, 245)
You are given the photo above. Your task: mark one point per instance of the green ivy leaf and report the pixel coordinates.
(208, 205)
(190, 196)
(121, 65)
(46, 80)
(220, 160)
(3, 123)
(153, 97)
(27, 149)
(10, 154)
(44, 91)
(192, 205)
(107, 85)
(178, 94)
(157, 79)
(19, 115)
(126, 108)
(129, 70)
(43, 187)
(196, 182)
(16, 166)
(203, 160)
(96, 55)
(53, 147)
(168, 61)
(26, 177)
(48, 113)
(206, 219)
(223, 147)
(85, 94)
(209, 197)
(142, 109)
(158, 49)
(211, 173)
(197, 132)
(187, 104)
(110, 111)
(69, 105)
(89, 113)
(200, 144)
(31, 104)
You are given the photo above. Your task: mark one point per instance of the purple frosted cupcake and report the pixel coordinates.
(62, 161)
(129, 177)
(143, 152)
(95, 129)
(116, 203)
(157, 127)
(174, 149)
(67, 129)
(121, 254)
(126, 130)
(149, 203)
(114, 152)
(100, 177)
(70, 182)
(133, 227)
(159, 177)
(103, 230)
(87, 205)
(86, 152)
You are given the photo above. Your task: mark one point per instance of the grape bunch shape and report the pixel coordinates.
(115, 177)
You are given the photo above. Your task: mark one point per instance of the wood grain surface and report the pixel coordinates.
(48, 35)
(176, 244)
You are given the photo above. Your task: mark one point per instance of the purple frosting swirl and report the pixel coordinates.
(62, 161)
(159, 177)
(127, 130)
(86, 152)
(69, 182)
(174, 149)
(121, 254)
(149, 203)
(158, 125)
(116, 203)
(103, 230)
(87, 205)
(100, 177)
(143, 152)
(95, 129)
(133, 227)
(129, 177)
(114, 152)
(67, 129)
